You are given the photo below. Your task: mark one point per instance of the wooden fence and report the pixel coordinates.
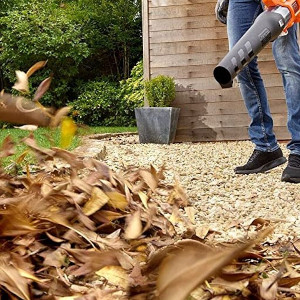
(183, 39)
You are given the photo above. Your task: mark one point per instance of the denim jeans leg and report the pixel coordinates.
(241, 15)
(287, 57)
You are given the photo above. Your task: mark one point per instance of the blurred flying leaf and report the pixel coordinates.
(134, 226)
(30, 276)
(268, 288)
(144, 198)
(98, 200)
(36, 67)
(21, 158)
(67, 132)
(149, 179)
(15, 223)
(185, 269)
(7, 147)
(178, 196)
(59, 115)
(92, 260)
(117, 200)
(190, 211)
(289, 282)
(12, 281)
(21, 84)
(42, 89)
(27, 127)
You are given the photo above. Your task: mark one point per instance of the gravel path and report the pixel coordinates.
(224, 202)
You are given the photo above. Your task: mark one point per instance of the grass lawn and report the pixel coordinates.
(47, 138)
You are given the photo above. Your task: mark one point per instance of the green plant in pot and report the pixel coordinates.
(158, 122)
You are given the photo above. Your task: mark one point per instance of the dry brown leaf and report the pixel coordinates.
(134, 226)
(21, 84)
(12, 281)
(236, 274)
(291, 271)
(29, 141)
(27, 127)
(30, 276)
(202, 231)
(144, 198)
(115, 275)
(107, 216)
(288, 282)
(59, 219)
(175, 218)
(7, 147)
(98, 200)
(268, 288)
(149, 179)
(54, 238)
(260, 222)
(93, 260)
(15, 223)
(59, 115)
(178, 196)
(69, 157)
(190, 211)
(81, 185)
(56, 258)
(229, 286)
(42, 89)
(37, 66)
(117, 200)
(180, 273)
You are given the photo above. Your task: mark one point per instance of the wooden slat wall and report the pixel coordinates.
(183, 39)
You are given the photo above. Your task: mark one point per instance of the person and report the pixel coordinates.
(239, 15)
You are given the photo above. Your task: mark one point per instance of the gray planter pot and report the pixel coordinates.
(157, 124)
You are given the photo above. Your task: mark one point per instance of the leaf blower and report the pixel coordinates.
(279, 16)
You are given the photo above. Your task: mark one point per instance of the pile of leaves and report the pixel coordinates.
(74, 229)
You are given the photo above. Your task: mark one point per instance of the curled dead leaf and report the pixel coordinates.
(21, 84)
(42, 89)
(37, 66)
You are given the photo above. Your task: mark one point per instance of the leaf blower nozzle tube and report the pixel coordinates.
(266, 28)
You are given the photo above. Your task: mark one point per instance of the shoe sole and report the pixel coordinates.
(288, 176)
(290, 179)
(264, 168)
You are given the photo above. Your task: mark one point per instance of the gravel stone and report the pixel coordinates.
(220, 197)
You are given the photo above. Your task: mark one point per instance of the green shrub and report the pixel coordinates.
(107, 103)
(160, 91)
(35, 30)
(132, 90)
(98, 104)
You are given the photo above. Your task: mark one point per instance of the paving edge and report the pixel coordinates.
(101, 136)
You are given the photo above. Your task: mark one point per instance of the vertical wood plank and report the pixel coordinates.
(146, 42)
(182, 39)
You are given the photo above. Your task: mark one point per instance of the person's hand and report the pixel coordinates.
(221, 10)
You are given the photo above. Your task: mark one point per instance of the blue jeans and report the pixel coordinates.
(241, 15)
